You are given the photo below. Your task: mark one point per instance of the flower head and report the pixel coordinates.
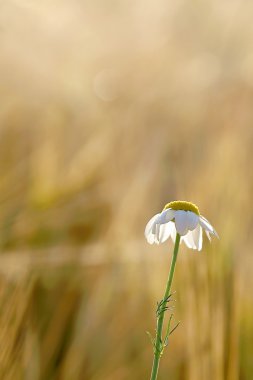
(179, 217)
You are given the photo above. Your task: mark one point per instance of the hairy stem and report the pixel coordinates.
(159, 341)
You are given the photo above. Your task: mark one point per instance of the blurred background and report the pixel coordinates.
(108, 110)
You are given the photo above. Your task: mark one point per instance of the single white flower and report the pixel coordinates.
(179, 217)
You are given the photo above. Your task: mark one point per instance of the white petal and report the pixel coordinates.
(157, 232)
(189, 241)
(207, 225)
(150, 229)
(181, 221)
(173, 231)
(150, 224)
(167, 215)
(193, 220)
(198, 237)
(150, 238)
(165, 232)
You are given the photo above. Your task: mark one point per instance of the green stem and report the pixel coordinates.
(158, 341)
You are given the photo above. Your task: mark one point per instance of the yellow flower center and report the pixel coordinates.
(183, 205)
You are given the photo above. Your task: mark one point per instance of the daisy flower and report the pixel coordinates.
(179, 217)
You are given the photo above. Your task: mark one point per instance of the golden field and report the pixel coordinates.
(108, 111)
